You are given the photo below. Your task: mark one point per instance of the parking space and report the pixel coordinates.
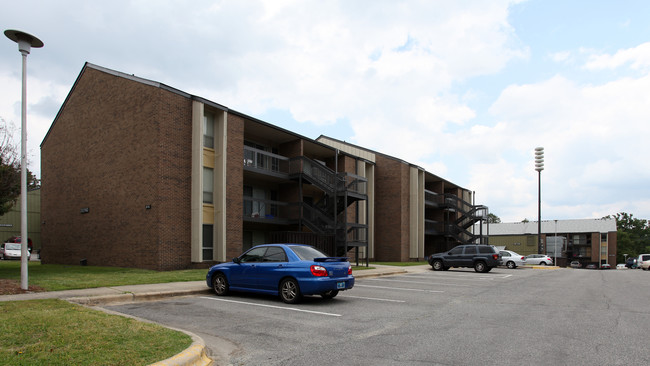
(427, 317)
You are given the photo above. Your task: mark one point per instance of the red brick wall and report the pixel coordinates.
(234, 186)
(117, 146)
(611, 247)
(391, 210)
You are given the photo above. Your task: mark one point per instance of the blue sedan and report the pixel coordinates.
(287, 270)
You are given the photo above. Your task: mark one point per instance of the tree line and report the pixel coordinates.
(10, 169)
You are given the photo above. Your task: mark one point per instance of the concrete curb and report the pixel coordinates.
(194, 355)
(133, 297)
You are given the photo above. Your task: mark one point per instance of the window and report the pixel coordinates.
(456, 251)
(248, 204)
(470, 250)
(208, 242)
(486, 250)
(307, 253)
(253, 255)
(208, 130)
(275, 254)
(208, 183)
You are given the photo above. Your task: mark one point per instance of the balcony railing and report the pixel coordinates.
(318, 173)
(353, 183)
(265, 161)
(261, 209)
(432, 227)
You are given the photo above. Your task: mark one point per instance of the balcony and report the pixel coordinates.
(353, 184)
(264, 162)
(433, 199)
(268, 211)
(432, 227)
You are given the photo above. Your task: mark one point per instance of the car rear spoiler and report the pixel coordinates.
(331, 259)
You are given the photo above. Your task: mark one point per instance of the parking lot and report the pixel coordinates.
(455, 317)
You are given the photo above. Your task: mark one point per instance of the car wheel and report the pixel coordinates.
(290, 291)
(437, 265)
(542, 263)
(511, 265)
(330, 294)
(480, 267)
(220, 284)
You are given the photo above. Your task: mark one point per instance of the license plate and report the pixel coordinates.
(340, 285)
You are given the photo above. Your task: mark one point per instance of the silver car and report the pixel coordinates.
(539, 259)
(511, 259)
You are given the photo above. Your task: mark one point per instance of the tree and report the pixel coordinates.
(10, 170)
(632, 234)
(493, 219)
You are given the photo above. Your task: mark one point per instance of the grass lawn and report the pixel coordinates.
(55, 277)
(55, 332)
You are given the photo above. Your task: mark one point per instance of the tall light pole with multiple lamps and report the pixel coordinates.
(25, 43)
(539, 166)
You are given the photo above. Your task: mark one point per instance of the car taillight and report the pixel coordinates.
(349, 270)
(318, 271)
(495, 256)
(522, 258)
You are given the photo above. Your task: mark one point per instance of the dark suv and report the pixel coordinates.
(479, 256)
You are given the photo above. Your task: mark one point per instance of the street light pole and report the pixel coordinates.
(539, 166)
(25, 42)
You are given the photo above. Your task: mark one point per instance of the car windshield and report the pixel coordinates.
(307, 253)
(12, 246)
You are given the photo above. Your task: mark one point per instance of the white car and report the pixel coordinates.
(644, 261)
(511, 259)
(12, 251)
(621, 266)
(539, 259)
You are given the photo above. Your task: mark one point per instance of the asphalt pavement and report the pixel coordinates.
(194, 355)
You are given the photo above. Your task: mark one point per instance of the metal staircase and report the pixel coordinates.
(329, 216)
(469, 215)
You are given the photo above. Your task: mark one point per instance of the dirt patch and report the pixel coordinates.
(12, 287)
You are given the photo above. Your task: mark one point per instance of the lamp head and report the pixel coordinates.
(25, 40)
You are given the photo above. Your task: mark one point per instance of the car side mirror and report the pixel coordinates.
(236, 260)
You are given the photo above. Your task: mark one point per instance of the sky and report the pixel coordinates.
(464, 89)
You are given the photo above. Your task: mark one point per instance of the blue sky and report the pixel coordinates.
(465, 89)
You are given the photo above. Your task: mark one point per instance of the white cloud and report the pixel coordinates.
(400, 73)
(595, 143)
(637, 58)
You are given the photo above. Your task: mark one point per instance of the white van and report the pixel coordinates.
(643, 261)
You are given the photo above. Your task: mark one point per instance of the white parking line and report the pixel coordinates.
(423, 283)
(398, 288)
(468, 277)
(373, 298)
(272, 306)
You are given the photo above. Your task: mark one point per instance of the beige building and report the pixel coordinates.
(585, 240)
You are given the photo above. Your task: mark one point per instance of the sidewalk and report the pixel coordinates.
(131, 293)
(196, 354)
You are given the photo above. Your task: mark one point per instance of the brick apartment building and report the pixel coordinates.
(415, 213)
(138, 174)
